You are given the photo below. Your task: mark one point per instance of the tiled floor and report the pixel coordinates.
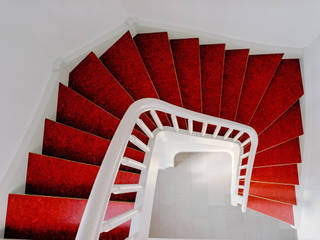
(192, 200)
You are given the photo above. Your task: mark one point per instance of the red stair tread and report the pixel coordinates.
(285, 153)
(79, 112)
(285, 174)
(59, 177)
(124, 61)
(235, 64)
(40, 217)
(156, 54)
(284, 90)
(93, 80)
(260, 71)
(287, 127)
(276, 192)
(69, 143)
(212, 63)
(186, 55)
(281, 211)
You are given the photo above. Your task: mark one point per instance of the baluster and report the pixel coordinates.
(156, 119)
(244, 166)
(114, 222)
(125, 188)
(144, 128)
(216, 131)
(228, 133)
(245, 155)
(238, 136)
(175, 122)
(245, 142)
(133, 163)
(136, 141)
(204, 129)
(190, 125)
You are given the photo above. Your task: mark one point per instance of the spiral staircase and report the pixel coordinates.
(261, 91)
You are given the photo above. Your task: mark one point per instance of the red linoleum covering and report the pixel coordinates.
(125, 63)
(79, 112)
(186, 55)
(260, 71)
(276, 192)
(284, 90)
(93, 80)
(156, 54)
(41, 217)
(285, 153)
(212, 66)
(235, 65)
(287, 127)
(69, 143)
(281, 211)
(59, 177)
(285, 174)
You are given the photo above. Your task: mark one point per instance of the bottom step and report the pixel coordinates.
(280, 211)
(42, 217)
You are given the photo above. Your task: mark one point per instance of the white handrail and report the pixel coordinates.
(92, 222)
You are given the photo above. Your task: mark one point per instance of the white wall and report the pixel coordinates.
(289, 23)
(310, 177)
(34, 34)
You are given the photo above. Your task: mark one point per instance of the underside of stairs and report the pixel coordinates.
(261, 91)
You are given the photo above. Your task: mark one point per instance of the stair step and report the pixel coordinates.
(65, 178)
(186, 55)
(287, 127)
(125, 63)
(276, 192)
(235, 65)
(285, 174)
(77, 111)
(260, 71)
(41, 217)
(94, 81)
(284, 90)
(285, 153)
(212, 65)
(157, 56)
(281, 211)
(69, 143)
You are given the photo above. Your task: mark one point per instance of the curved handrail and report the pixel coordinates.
(92, 223)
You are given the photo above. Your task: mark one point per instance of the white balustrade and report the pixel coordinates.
(93, 223)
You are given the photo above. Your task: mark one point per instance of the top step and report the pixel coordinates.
(125, 63)
(186, 55)
(234, 71)
(157, 56)
(285, 90)
(260, 71)
(212, 64)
